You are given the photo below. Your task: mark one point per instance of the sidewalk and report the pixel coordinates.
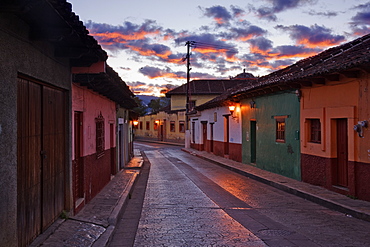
(341, 203)
(95, 223)
(155, 140)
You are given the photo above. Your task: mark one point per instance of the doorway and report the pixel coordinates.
(204, 135)
(41, 160)
(341, 171)
(77, 163)
(211, 137)
(253, 140)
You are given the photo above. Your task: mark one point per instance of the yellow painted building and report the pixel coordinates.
(162, 126)
(169, 125)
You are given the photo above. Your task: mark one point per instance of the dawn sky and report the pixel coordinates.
(145, 39)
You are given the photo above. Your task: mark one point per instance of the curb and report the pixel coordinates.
(117, 212)
(325, 202)
(161, 142)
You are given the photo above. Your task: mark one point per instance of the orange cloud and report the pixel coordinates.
(121, 38)
(323, 43)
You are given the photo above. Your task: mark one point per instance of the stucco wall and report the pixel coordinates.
(165, 120)
(219, 125)
(91, 104)
(328, 102)
(34, 59)
(178, 102)
(281, 158)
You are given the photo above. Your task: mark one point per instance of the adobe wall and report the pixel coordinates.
(34, 59)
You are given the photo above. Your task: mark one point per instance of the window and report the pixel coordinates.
(156, 123)
(141, 125)
(99, 122)
(315, 130)
(280, 129)
(182, 126)
(172, 126)
(147, 125)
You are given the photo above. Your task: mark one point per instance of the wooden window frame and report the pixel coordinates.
(172, 126)
(280, 128)
(147, 125)
(314, 130)
(182, 126)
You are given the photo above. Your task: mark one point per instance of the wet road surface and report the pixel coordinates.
(192, 202)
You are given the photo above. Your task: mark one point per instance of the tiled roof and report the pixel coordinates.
(347, 59)
(54, 21)
(206, 87)
(110, 85)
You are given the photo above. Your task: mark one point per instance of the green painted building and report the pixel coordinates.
(270, 130)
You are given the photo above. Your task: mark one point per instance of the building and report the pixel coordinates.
(97, 153)
(42, 44)
(308, 121)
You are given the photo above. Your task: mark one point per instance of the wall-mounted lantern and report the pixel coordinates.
(298, 93)
(234, 114)
(232, 109)
(359, 128)
(135, 122)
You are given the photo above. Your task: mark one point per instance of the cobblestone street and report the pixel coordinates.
(192, 202)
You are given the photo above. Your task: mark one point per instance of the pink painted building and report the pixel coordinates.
(96, 99)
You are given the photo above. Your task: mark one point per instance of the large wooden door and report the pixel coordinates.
(41, 157)
(342, 152)
(29, 163)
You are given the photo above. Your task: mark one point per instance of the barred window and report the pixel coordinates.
(147, 125)
(315, 130)
(182, 126)
(280, 129)
(172, 126)
(99, 122)
(141, 125)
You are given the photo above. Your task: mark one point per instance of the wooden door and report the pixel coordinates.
(226, 134)
(204, 135)
(120, 147)
(41, 157)
(28, 161)
(53, 172)
(112, 150)
(342, 152)
(253, 140)
(78, 172)
(211, 138)
(161, 132)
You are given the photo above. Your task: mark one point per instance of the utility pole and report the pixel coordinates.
(188, 44)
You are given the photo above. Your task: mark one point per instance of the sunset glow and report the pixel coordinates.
(146, 46)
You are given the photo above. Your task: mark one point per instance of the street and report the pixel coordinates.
(192, 202)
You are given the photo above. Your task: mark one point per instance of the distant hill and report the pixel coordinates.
(146, 98)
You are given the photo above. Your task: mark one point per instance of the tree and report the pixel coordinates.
(142, 108)
(158, 104)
